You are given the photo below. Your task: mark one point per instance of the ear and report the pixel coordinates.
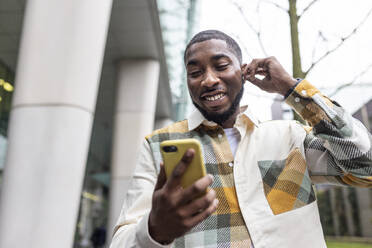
(243, 69)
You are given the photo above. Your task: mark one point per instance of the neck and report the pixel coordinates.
(229, 123)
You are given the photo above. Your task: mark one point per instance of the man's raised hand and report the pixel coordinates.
(176, 210)
(276, 79)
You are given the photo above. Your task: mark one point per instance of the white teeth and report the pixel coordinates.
(215, 97)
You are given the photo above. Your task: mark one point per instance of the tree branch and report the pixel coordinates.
(242, 44)
(273, 97)
(256, 31)
(307, 8)
(342, 41)
(352, 81)
(358, 85)
(320, 37)
(182, 3)
(276, 5)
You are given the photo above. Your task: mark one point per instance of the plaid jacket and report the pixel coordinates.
(266, 196)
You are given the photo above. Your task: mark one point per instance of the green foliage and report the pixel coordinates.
(340, 210)
(325, 211)
(354, 204)
(332, 244)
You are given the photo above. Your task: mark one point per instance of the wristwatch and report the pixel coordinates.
(292, 88)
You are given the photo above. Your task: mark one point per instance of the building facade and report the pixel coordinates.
(81, 84)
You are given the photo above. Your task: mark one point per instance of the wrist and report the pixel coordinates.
(153, 232)
(288, 86)
(290, 90)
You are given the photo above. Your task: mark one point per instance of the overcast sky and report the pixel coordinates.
(334, 18)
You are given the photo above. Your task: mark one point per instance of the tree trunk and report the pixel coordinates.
(348, 212)
(365, 211)
(296, 55)
(335, 219)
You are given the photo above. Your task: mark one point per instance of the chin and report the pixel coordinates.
(219, 111)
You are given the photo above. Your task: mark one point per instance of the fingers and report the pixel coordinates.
(251, 70)
(261, 71)
(161, 177)
(264, 67)
(175, 179)
(244, 69)
(257, 66)
(200, 204)
(196, 211)
(196, 189)
(257, 82)
(203, 214)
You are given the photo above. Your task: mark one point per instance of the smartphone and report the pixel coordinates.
(173, 151)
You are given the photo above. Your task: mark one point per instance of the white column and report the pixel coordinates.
(134, 118)
(163, 122)
(57, 78)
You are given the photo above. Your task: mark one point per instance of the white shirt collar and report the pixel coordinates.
(196, 118)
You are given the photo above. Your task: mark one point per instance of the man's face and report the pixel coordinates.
(213, 77)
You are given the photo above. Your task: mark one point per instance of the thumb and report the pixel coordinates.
(256, 81)
(162, 178)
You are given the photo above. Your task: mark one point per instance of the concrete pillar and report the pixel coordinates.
(134, 118)
(57, 78)
(163, 122)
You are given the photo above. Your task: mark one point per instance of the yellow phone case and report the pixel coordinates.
(195, 170)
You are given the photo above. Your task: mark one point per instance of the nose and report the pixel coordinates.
(210, 79)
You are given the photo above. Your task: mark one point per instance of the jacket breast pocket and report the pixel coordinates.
(287, 184)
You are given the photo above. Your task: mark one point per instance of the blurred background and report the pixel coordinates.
(82, 82)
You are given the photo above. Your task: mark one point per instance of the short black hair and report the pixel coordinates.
(217, 35)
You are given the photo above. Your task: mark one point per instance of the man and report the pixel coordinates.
(260, 175)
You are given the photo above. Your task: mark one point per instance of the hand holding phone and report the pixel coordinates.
(175, 208)
(173, 151)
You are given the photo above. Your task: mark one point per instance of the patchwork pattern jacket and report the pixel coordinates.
(266, 191)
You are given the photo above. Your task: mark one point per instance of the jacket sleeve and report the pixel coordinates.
(131, 229)
(337, 146)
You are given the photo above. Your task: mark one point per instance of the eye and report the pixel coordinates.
(222, 67)
(195, 74)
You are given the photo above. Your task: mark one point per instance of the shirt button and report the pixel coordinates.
(231, 164)
(297, 99)
(220, 136)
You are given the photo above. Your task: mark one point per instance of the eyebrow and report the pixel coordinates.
(219, 56)
(214, 57)
(192, 62)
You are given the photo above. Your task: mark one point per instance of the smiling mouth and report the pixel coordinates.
(214, 97)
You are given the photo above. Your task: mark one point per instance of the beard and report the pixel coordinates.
(221, 118)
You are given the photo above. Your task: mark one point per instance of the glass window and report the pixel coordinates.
(6, 93)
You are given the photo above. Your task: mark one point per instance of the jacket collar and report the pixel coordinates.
(195, 119)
